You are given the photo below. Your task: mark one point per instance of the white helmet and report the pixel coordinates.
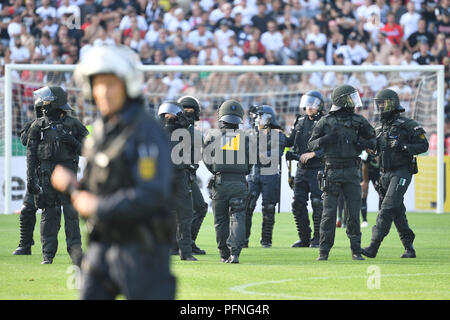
(118, 60)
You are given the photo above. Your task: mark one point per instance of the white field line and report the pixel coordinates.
(243, 288)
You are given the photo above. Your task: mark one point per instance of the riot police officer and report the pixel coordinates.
(343, 134)
(172, 117)
(268, 185)
(191, 108)
(28, 212)
(309, 164)
(126, 184)
(54, 139)
(399, 139)
(225, 154)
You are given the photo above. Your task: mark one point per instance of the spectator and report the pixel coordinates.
(383, 10)
(87, 8)
(247, 12)
(398, 9)
(158, 57)
(197, 39)
(313, 60)
(393, 31)
(14, 28)
(346, 20)
(445, 52)
(286, 52)
(51, 27)
(333, 44)
(66, 7)
(19, 53)
(409, 21)
(353, 52)
(310, 8)
(261, 19)
(46, 10)
(443, 23)
(364, 11)
(218, 13)
(226, 9)
(172, 58)
(162, 43)
(254, 56)
(103, 39)
(44, 49)
(181, 50)
(287, 23)
(174, 84)
(208, 55)
(179, 22)
(422, 34)
(145, 54)
(373, 26)
(396, 56)
(196, 15)
(130, 13)
(423, 56)
(231, 57)
(256, 35)
(152, 34)
(272, 39)
(408, 61)
(319, 38)
(223, 34)
(153, 11)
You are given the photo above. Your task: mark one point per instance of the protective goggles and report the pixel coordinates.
(43, 96)
(309, 102)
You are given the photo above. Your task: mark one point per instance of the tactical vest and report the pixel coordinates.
(348, 127)
(392, 158)
(231, 152)
(50, 147)
(107, 170)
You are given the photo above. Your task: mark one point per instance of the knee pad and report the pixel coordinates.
(269, 208)
(237, 205)
(316, 203)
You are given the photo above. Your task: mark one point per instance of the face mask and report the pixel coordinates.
(190, 116)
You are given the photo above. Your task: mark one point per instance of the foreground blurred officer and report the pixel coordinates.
(225, 153)
(171, 115)
(55, 138)
(266, 184)
(309, 164)
(399, 139)
(125, 187)
(28, 212)
(343, 134)
(191, 108)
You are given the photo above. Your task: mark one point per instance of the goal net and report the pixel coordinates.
(420, 89)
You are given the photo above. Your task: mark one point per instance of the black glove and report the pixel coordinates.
(290, 156)
(72, 141)
(32, 186)
(327, 139)
(395, 144)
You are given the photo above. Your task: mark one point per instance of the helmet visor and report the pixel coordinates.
(309, 102)
(354, 100)
(169, 108)
(43, 96)
(384, 105)
(264, 119)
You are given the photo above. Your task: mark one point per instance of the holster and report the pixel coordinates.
(413, 168)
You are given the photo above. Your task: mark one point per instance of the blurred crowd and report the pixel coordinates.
(239, 32)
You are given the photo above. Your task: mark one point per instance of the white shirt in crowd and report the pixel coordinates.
(247, 13)
(126, 24)
(199, 40)
(175, 86)
(19, 54)
(315, 78)
(357, 53)
(106, 42)
(223, 38)
(151, 36)
(203, 58)
(319, 39)
(44, 51)
(72, 9)
(44, 13)
(174, 24)
(409, 23)
(376, 81)
(272, 41)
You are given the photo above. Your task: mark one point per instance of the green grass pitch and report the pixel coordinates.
(279, 272)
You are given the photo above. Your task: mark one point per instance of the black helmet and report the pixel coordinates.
(387, 102)
(191, 102)
(171, 107)
(231, 111)
(312, 99)
(345, 97)
(51, 98)
(267, 116)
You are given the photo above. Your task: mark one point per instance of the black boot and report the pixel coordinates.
(26, 227)
(233, 259)
(369, 252)
(409, 252)
(314, 243)
(47, 260)
(197, 250)
(300, 244)
(357, 256)
(268, 213)
(76, 255)
(323, 256)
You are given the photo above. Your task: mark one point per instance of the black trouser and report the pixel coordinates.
(27, 221)
(394, 185)
(347, 181)
(228, 203)
(199, 205)
(51, 215)
(129, 269)
(374, 176)
(306, 186)
(183, 212)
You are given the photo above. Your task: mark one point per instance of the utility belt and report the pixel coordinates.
(411, 165)
(220, 177)
(309, 166)
(339, 164)
(146, 233)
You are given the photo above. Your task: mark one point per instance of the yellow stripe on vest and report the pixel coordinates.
(232, 144)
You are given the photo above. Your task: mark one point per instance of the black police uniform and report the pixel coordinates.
(200, 207)
(53, 142)
(266, 184)
(397, 165)
(27, 219)
(373, 171)
(351, 133)
(228, 188)
(305, 181)
(128, 169)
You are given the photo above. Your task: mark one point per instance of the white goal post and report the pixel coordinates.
(438, 70)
